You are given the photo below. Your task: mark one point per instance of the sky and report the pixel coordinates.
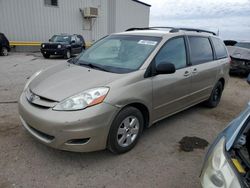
(230, 17)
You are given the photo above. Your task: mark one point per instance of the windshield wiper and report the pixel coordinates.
(93, 66)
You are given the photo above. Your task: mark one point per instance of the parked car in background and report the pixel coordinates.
(240, 57)
(124, 83)
(230, 42)
(4, 45)
(227, 163)
(64, 45)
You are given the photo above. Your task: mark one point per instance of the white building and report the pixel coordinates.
(38, 20)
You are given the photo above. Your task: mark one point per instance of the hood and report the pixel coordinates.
(233, 129)
(239, 53)
(65, 80)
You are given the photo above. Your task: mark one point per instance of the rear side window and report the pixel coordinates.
(220, 49)
(200, 50)
(78, 40)
(80, 37)
(174, 51)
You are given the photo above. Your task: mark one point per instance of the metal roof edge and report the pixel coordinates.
(142, 3)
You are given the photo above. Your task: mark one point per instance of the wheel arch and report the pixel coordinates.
(143, 109)
(222, 80)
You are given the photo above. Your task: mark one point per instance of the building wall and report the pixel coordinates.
(31, 20)
(111, 16)
(131, 14)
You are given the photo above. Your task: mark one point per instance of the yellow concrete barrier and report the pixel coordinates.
(24, 43)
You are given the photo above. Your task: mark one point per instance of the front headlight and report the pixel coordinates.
(43, 45)
(217, 171)
(83, 100)
(31, 78)
(59, 46)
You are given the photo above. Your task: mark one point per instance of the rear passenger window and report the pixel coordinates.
(173, 51)
(78, 40)
(200, 50)
(220, 48)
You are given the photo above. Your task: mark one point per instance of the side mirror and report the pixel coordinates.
(248, 79)
(165, 68)
(73, 41)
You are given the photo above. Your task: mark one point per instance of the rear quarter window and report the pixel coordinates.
(220, 48)
(200, 50)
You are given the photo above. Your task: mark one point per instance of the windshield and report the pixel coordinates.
(119, 53)
(59, 38)
(243, 45)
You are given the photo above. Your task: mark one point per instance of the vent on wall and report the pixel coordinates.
(90, 12)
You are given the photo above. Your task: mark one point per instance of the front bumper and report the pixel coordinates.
(242, 67)
(58, 51)
(81, 131)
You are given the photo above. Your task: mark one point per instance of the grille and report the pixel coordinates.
(42, 134)
(39, 101)
(50, 46)
(237, 62)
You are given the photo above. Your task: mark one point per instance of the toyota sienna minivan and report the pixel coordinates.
(125, 82)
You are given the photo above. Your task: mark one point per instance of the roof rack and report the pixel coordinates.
(173, 29)
(139, 28)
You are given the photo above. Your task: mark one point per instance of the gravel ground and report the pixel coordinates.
(156, 161)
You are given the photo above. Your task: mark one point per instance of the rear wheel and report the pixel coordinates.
(125, 130)
(4, 51)
(46, 56)
(215, 96)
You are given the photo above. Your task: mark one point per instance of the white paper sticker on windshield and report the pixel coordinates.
(148, 42)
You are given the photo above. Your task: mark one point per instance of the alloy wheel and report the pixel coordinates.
(68, 54)
(128, 131)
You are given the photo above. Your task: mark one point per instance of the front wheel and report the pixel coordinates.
(125, 130)
(215, 96)
(4, 51)
(46, 56)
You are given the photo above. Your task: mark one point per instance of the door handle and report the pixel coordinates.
(186, 73)
(195, 70)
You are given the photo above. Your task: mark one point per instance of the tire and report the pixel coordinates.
(128, 135)
(4, 51)
(215, 96)
(46, 56)
(67, 54)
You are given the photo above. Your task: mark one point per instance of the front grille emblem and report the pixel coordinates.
(31, 96)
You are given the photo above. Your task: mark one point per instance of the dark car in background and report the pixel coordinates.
(240, 57)
(64, 45)
(4, 45)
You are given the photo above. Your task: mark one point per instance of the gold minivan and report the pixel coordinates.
(125, 82)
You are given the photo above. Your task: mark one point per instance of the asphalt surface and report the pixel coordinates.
(156, 161)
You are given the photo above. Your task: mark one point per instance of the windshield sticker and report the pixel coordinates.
(148, 42)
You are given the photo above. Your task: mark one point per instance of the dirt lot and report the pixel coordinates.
(156, 161)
